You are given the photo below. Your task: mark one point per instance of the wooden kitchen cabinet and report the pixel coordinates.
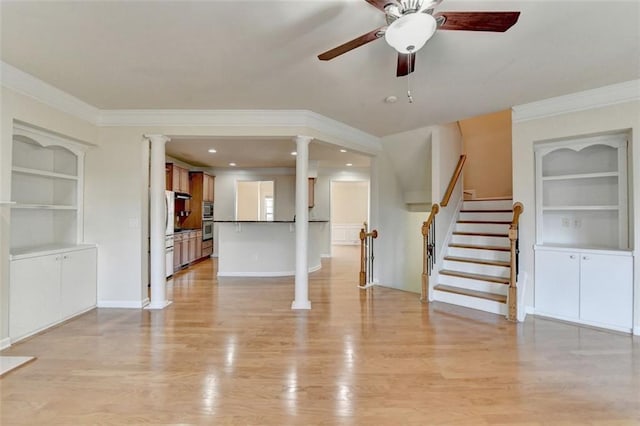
(177, 178)
(177, 251)
(312, 185)
(198, 244)
(208, 187)
(192, 246)
(207, 248)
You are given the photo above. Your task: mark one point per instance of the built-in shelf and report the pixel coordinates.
(551, 208)
(43, 206)
(46, 249)
(45, 173)
(582, 192)
(581, 176)
(7, 203)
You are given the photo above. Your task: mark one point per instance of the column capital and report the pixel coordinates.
(156, 138)
(302, 138)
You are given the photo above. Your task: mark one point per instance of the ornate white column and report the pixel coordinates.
(301, 300)
(157, 222)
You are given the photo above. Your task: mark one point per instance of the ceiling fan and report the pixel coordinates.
(411, 23)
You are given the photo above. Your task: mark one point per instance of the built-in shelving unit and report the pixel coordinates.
(46, 190)
(52, 272)
(581, 192)
(583, 266)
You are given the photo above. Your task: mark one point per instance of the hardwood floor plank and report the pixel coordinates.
(231, 351)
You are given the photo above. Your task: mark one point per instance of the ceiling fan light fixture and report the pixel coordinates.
(409, 33)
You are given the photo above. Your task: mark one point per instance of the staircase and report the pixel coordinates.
(475, 269)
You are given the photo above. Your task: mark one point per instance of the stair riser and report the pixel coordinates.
(471, 302)
(486, 216)
(473, 284)
(475, 268)
(487, 205)
(483, 228)
(478, 254)
(478, 240)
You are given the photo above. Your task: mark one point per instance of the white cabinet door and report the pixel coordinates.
(606, 294)
(78, 282)
(34, 295)
(557, 288)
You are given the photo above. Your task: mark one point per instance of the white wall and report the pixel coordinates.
(612, 118)
(446, 151)
(408, 153)
(349, 211)
(399, 248)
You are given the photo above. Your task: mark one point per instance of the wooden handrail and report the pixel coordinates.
(512, 315)
(453, 181)
(428, 249)
(366, 266)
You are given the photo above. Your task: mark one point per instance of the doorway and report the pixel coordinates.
(349, 211)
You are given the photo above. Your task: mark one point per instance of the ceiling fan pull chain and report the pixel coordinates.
(409, 89)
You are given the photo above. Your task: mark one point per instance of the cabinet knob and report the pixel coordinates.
(572, 256)
(585, 257)
(65, 257)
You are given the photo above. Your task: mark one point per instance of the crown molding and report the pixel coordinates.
(294, 120)
(248, 119)
(26, 84)
(627, 91)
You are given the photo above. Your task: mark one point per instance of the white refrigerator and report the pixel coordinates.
(168, 232)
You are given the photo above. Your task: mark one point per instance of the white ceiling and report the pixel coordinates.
(258, 153)
(262, 55)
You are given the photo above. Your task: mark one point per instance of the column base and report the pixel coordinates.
(305, 304)
(158, 305)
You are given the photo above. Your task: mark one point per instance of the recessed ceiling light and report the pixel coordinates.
(343, 150)
(294, 153)
(232, 164)
(349, 164)
(213, 151)
(391, 99)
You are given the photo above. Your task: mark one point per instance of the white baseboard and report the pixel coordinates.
(5, 343)
(530, 310)
(636, 330)
(265, 274)
(126, 304)
(345, 243)
(325, 256)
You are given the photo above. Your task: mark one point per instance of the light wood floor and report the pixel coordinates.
(231, 351)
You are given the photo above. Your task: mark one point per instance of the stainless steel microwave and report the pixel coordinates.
(207, 210)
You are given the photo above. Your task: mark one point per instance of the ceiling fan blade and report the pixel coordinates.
(478, 21)
(380, 4)
(350, 45)
(406, 64)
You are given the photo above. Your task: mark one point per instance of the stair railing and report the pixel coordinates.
(453, 181)
(366, 255)
(512, 314)
(428, 250)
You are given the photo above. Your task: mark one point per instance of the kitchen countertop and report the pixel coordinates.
(178, 231)
(268, 221)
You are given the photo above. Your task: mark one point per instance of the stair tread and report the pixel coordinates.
(480, 234)
(479, 261)
(479, 247)
(497, 222)
(486, 211)
(473, 293)
(480, 277)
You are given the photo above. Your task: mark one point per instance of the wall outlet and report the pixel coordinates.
(566, 222)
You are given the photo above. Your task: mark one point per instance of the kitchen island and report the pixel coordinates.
(264, 249)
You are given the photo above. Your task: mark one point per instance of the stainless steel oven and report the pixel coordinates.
(207, 230)
(207, 211)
